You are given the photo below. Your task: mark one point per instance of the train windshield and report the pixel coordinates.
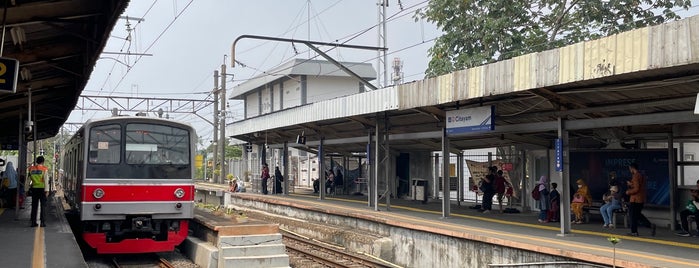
(156, 145)
(139, 151)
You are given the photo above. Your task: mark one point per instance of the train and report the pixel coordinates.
(130, 180)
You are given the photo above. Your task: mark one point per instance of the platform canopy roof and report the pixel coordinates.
(57, 43)
(609, 93)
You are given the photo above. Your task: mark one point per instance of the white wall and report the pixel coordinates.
(266, 100)
(292, 93)
(276, 99)
(325, 88)
(251, 105)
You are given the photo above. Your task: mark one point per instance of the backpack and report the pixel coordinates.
(536, 194)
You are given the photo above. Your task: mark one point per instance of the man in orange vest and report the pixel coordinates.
(39, 191)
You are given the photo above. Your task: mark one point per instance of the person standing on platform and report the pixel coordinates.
(501, 188)
(265, 178)
(555, 202)
(637, 196)
(278, 179)
(12, 177)
(544, 201)
(39, 190)
(488, 189)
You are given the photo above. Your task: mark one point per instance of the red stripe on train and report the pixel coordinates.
(114, 193)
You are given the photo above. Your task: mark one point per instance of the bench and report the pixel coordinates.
(594, 208)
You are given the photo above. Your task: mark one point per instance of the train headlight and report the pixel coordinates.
(98, 193)
(179, 193)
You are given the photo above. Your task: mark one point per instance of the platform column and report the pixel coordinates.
(370, 170)
(321, 168)
(460, 178)
(565, 179)
(285, 163)
(445, 174)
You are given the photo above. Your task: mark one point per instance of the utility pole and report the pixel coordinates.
(381, 63)
(224, 141)
(215, 140)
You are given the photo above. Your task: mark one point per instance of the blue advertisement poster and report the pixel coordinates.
(597, 168)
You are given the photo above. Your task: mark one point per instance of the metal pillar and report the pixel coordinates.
(460, 177)
(672, 166)
(22, 165)
(214, 142)
(321, 168)
(386, 163)
(445, 175)
(224, 140)
(370, 172)
(244, 167)
(565, 180)
(435, 177)
(377, 161)
(285, 164)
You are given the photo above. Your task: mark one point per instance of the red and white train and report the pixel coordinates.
(130, 180)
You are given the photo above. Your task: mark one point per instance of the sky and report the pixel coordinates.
(188, 40)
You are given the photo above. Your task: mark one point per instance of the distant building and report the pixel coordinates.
(299, 82)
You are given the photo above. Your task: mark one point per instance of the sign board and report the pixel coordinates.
(559, 155)
(9, 69)
(471, 120)
(598, 167)
(506, 166)
(198, 161)
(6, 146)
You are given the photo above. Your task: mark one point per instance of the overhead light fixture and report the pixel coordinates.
(25, 74)
(18, 36)
(301, 139)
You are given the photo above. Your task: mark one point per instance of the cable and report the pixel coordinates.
(350, 38)
(154, 41)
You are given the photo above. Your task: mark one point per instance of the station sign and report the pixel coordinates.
(9, 146)
(471, 120)
(9, 69)
(559, 155)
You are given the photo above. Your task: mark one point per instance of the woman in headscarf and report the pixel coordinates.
(544, 202)
(581, 198)
(12, 177)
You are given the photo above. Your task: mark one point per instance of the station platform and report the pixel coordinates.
(586, 242)
(50, 246)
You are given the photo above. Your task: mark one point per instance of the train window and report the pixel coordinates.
(105, 144)
(156, 144)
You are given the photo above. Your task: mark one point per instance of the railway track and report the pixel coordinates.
(143, 261)
(306, 252)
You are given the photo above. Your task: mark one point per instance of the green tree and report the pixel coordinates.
(477, 32)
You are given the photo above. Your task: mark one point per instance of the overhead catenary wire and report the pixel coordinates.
(350, 37)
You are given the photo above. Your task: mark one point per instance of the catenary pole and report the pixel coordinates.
(214, 142)
(224, 141)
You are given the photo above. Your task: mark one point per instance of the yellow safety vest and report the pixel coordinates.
(36, 173)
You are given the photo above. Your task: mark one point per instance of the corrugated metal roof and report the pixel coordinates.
(617, 81)
(303, 67)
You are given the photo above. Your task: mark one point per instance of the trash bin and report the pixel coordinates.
(419, 190)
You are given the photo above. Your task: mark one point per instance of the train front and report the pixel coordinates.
(138, 192)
